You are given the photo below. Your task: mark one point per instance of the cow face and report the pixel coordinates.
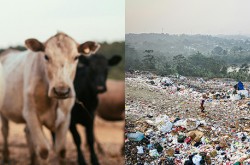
(60, 57)
(97, 70)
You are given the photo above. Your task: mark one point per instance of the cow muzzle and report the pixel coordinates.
(101, 89)
(61, 92)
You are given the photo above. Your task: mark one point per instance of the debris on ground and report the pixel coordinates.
(166, 112)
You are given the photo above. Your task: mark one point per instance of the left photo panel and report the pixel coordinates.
(62, 98)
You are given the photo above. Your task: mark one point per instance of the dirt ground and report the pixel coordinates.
(109, 134)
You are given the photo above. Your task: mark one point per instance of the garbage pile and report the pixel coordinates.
(164, 124)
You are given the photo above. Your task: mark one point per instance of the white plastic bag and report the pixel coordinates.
(163, 124)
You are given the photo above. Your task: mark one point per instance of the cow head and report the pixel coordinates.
(97, 69)
(60, 55)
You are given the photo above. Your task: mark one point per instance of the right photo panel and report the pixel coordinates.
(187, 77)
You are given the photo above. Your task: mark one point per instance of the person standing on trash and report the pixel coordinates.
(235, 89)
(204, 97)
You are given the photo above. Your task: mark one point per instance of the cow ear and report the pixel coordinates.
(34, 45)
(114, 60)
(88, 48)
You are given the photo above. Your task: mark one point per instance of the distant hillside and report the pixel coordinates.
(190, 55)
(233, 49)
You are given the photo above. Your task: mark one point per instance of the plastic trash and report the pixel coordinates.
(235, 97)
(222, 132)
(243, 92)
(170, 152)
(196, 159)
(181, 138)
(150, 146)
(137, 136)
(213, 153)
(188, 140)
(153, 153)
(139, 149)
(181, 122)
(158, 147)
(163, 124)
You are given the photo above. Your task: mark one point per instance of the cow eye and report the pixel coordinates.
(46, 57)
(76, 58)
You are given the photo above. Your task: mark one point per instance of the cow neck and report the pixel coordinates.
(88, 92)
(84, 91)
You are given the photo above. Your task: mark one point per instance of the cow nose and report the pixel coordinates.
(101, 89)
(61, 91)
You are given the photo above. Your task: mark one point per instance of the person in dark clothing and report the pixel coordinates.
(236, 86)
(204, 97)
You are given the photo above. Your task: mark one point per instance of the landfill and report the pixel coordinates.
(165, 125)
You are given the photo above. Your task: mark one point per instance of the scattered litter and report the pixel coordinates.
(165, 125)
(138, 136)
(140, 149)
(153, 153)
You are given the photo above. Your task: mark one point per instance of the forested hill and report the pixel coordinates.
(190, 55)
(230, 48)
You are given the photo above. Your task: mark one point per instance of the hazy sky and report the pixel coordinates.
(100, 20)
(188, 16)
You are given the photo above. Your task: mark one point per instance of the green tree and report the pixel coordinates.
(217, 50)
(132, 60)
(181, 65)
(149, 62)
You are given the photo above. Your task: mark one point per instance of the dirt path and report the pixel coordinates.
(109, 134)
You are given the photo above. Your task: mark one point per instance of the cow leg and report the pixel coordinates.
(123, 145)
(123, 149)
(53, 135)
(90, 140)
(41, 146)
(31, 146)
(77, 140)
(99, 146)
(60, 139)
(5, 132)
(62, 126)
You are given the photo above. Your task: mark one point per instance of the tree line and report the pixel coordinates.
(196, 65)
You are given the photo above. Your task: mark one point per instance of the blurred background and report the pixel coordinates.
(101, 21)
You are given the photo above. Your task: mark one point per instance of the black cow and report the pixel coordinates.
(90, 80)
